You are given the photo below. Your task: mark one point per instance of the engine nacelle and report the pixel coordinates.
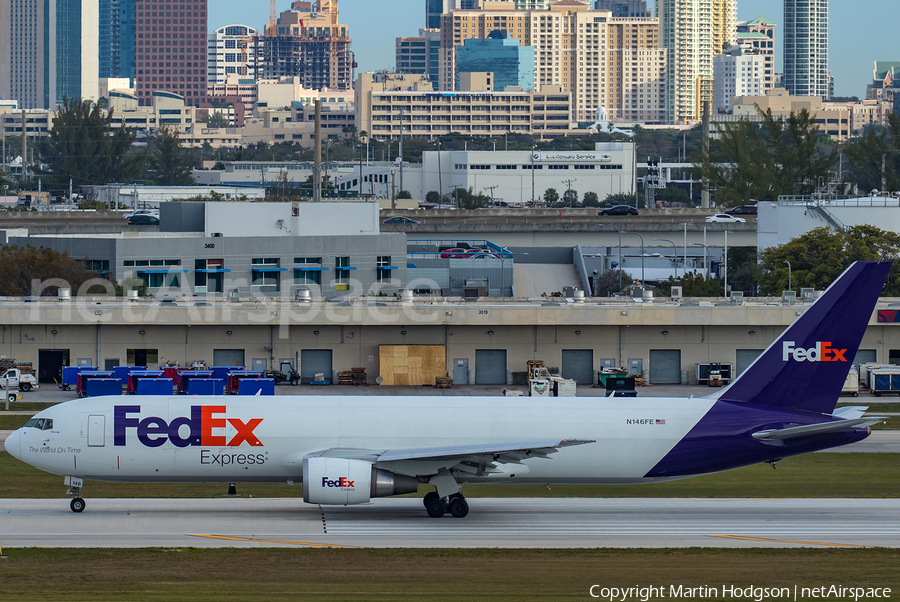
(342, 481)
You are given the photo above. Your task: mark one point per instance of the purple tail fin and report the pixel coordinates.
(805, 367)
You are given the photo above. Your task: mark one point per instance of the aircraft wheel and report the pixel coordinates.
(430, 497)
(26, 387)
(436, 508)
(77, 505)
(459, 507)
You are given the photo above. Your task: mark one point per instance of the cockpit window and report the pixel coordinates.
(44, 424)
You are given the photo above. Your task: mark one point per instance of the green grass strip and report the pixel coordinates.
(438, 575)
(820, 475)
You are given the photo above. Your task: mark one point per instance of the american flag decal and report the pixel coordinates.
(658, 421)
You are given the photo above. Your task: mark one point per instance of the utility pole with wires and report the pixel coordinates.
(491, 188)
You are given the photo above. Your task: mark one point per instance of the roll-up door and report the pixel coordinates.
(490, 366)
(578, 364)
(665, 366)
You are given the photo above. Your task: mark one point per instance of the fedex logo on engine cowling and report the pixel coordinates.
(342, 482)
(822, 352)
(184, 431)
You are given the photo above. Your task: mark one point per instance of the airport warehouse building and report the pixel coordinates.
(411, 341)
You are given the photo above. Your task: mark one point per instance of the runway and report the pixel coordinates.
(492, 522)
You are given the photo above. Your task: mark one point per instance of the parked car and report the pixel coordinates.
(742, 210)
(456, 253)
(154, 212)
(400, 219)
(725, 218)
(484, 255)
(618, 210)
(143, 220)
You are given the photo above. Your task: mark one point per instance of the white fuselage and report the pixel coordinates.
(631, 435)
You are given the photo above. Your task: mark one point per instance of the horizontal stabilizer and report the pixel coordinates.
(816, 429)
(850, 412)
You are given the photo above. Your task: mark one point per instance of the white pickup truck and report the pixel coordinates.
(15, 379)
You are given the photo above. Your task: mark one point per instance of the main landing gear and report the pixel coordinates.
(436, 506)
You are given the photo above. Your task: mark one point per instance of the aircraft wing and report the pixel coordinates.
(816, 429)
(474, 458)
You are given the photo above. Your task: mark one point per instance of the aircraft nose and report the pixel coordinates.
(13, 444)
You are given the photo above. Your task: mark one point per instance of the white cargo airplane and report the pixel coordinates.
(347, 450)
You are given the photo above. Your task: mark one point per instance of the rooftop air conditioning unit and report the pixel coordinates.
(737, 297)
(807, 293)
(788, 297)
(676, 292)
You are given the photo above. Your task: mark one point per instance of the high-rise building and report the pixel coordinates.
(624, 8)
(231, 51)
(736, 73)
(28, 73)
(806, 48)
(511, 63)
(170, 53)
(693, 31)
(303, 45)
(420, 54)
(117, 37)
(759, 34)
(885, 76)
(77, 50)
(601, 60)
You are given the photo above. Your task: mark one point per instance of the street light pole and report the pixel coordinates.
(790, 288)
(440, 186)
(705, 258)
(674, 253)
(620, 255)
(401, 152)
(642, 254)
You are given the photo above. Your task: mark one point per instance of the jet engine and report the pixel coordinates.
(343, 481)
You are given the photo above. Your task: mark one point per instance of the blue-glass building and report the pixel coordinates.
(511, 64)
(117, 38)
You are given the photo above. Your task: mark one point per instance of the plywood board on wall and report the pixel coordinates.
(411, 364)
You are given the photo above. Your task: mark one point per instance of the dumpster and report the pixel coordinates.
(70, 374)
(186, 376)
(135, 375)
(222, 371)
(206, 386)
(252, 386)
(154, 386)
(93, 375)
(233, 382)
(95, 387)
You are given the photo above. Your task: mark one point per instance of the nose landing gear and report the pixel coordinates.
(75, 485)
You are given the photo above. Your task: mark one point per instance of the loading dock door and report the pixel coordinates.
(743, 359)
(50, 363)
(578, 364)
(312, 361)
(490, 366)
(96, 430)
(665, 366)
(228, 357)
(864, 356)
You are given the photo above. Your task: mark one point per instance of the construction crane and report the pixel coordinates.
(272, 16)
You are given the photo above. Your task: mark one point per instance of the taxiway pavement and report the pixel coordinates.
(492, 522)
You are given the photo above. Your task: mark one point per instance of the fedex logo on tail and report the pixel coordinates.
(822, 352)
(184, 431)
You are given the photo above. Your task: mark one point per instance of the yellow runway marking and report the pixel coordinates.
(292, 543)
(808, 543)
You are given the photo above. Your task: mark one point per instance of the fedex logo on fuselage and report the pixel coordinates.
(822, 352)
(154, 431)
(341, 482)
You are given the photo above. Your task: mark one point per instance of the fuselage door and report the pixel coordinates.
(96, 430)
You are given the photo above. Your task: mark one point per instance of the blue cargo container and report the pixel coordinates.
(884, 380)
(95, 387)
(206, 386)
(70, 374)
(250, 386)
(222, 371)
(154, 386)
(122, 371)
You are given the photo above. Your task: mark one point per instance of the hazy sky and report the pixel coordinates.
(859, 32)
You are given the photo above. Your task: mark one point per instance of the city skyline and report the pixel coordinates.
(854, 42)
